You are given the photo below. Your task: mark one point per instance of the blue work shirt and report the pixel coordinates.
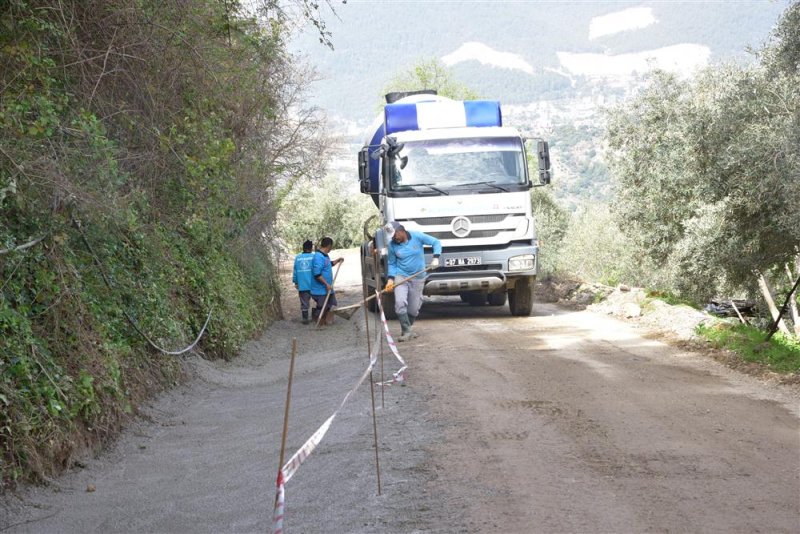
(408, 258)
(301, 275)
(321, 265)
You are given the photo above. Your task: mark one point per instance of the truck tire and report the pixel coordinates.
(496, 298)
(372, 306)
(387, 301)
(520, 299)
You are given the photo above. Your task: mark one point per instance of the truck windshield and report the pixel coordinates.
(492, 162)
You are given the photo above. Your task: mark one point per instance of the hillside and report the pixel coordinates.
(373, 40)
(555, 66)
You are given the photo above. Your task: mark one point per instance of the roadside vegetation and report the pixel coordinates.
(142, 146)
(705, 173)
(705, 200)
(781, 353)
(325, 206)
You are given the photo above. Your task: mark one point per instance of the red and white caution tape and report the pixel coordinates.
(399, 376)
(290, 468)
(280, 499)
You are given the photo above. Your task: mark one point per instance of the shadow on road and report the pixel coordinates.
(447, 306)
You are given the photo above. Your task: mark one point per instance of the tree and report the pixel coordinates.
(783, 54)
(314, 209)
(552, 222)
(705, 171)
(430, 74)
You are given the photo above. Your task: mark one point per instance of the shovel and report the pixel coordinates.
(348, 311)
(323, 313)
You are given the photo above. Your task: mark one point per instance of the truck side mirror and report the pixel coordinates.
(545, 174)
(363, 170)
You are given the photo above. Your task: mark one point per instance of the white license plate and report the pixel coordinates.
(458, 262)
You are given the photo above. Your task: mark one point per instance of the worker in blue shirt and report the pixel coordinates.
(322, 283)
(406, 258)
(302, 277)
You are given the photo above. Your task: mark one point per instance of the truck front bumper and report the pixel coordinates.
(491, 274)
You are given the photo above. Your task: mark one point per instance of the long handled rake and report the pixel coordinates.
(348, 311)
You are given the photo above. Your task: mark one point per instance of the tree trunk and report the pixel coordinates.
(773, 310)
(793, 301)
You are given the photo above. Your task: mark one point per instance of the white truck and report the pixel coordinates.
(452, 170)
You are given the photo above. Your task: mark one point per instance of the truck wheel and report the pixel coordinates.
(520, 299)
(372, 306)
(387, 301)
(496, 298)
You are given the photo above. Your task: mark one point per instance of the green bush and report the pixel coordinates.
(314, 209)
(594, 248)
(552, 222)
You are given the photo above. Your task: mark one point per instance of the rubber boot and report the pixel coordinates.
(411, 320)
(305, 317)
(405, 326)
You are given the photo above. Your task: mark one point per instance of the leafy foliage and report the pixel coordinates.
(315, 209)
(781, 353)
(784, 54)
(706, 173)
(430, 74)
(552, 222)
(595, 248)
(140, 145)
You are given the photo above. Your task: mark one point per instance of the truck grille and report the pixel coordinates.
(474, 219)
(473, 235)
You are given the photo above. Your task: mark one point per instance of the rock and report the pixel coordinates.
(631, 309)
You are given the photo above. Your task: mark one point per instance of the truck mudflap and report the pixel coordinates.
(453, 283)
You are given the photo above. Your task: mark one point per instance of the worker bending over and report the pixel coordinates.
(406, 258)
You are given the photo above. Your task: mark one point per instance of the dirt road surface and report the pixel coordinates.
(565, 421)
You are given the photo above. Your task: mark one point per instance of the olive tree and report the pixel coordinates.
(706, 169)
(430, 74)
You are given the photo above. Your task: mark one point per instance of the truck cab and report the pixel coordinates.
(452, 170)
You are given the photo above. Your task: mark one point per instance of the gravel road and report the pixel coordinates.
(565, 421)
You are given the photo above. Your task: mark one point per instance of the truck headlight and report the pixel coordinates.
(526, 262)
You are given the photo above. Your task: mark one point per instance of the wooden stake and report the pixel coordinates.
(737, 312)
(794, 314)
(366, 317)
(377, 271)
(288, 401)
(778, 321)
(375, 432)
